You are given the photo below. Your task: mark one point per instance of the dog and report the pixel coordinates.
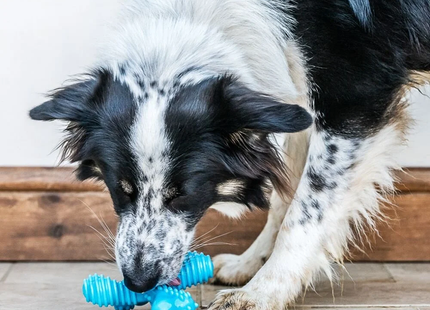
(245, 104)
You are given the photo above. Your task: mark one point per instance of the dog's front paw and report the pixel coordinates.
(240, 299)
(235, 269)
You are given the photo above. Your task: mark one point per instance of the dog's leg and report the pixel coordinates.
(338, 187)
(234, 269)
(239, 269)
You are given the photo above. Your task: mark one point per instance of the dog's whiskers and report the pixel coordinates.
(200, 240)
(108, 240)
(206, 241)
(206, 233)
(211, 244)
(109, 251)
(109, 248)
(107, 229)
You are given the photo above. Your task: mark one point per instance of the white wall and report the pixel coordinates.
(417, 152)
(44, 42)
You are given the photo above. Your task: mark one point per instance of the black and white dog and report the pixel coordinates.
(197, 104)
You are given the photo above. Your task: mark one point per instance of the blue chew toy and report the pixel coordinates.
(103, 291)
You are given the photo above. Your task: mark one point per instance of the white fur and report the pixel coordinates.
(149, 140)
(231, 187)
(227, 37)
(230, 209)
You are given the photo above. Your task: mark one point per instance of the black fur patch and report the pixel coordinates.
(219, 131)
(100, 111)
(317, 181)
(360, 53)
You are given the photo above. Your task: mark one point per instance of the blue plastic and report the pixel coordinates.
(103, 291)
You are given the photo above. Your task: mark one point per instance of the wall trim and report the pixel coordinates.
(47, 215)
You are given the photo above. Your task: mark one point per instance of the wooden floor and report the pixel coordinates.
(40, 286)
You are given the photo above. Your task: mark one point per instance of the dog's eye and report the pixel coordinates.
(126, 187)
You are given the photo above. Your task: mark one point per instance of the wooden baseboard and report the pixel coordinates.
(45, 214)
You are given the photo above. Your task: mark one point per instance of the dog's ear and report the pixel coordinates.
(247, 118)
(69, 103)
(75, 104)
(247, 109)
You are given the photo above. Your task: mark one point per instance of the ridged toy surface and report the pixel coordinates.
(103, 291)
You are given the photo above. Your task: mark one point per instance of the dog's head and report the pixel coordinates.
(167, 153)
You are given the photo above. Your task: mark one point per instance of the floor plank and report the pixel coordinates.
(40, 286)
(43, 286)
(358, 295)
(370, 294)
(363, 272)
(4, 270)
(365, 285)
(410, 272)
(40, 296)
(50, 273)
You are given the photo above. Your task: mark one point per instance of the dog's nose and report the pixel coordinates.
(141, 286)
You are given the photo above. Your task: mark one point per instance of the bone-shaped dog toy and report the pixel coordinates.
(103, 291)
